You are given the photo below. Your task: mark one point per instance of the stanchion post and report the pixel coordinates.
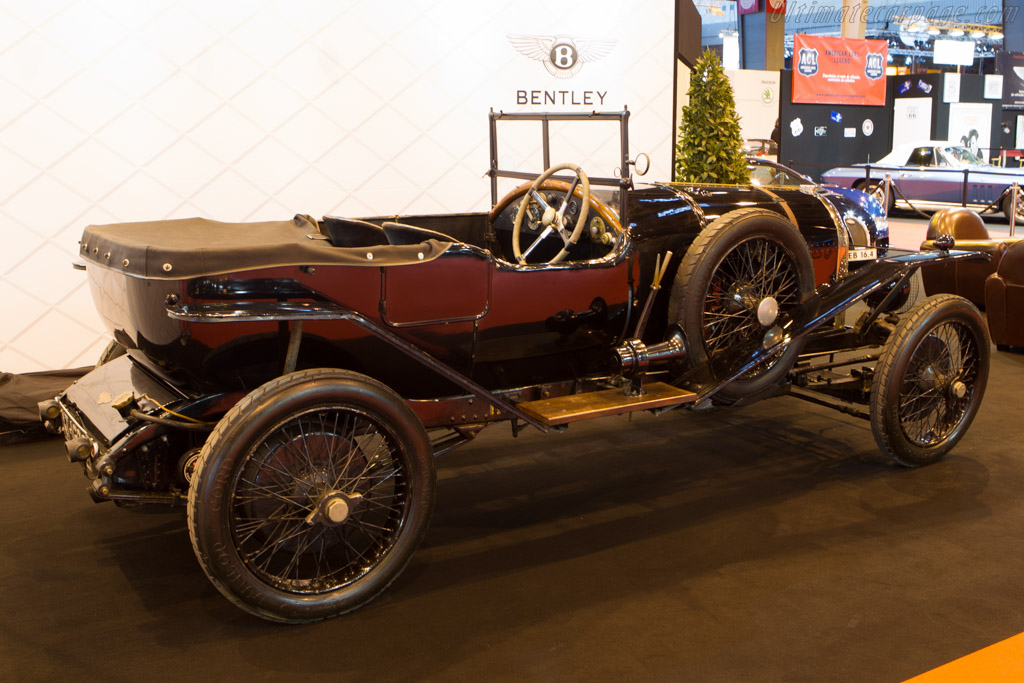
(1013, 213)
(885, 193)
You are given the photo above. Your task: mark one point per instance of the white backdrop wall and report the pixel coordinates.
(118, 110)
(757, 101)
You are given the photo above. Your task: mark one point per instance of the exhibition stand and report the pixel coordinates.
(816, 137)
(282, 395)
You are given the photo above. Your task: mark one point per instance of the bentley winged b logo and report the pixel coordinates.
(562, 56)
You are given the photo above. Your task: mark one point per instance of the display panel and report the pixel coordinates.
(1011, 66)
(912, 119)
(838, 70)
(757, 101)
(960, 52)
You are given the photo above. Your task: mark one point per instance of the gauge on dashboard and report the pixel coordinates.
(599, 231)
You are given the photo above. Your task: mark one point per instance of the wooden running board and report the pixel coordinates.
(577, 407)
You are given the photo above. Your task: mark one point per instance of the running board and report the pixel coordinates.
(578, 407)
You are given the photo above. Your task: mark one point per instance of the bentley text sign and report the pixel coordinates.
(839, 70)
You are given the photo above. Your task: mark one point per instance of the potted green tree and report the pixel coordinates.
(710, 146)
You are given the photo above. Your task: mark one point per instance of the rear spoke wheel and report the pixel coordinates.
(311, 495)
(288, 476)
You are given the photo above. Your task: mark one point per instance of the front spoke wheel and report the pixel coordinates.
(929, 380)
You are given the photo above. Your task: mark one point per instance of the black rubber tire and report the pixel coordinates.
(270, 463)
(114, 350)
(871, 187)
(704, 266)
(938, 348)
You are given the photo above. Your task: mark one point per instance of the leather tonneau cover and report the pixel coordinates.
(191, 247)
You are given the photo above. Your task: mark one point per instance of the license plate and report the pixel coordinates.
(863, 254)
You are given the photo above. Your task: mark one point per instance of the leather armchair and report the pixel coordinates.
(1004, 299)
(965, 278)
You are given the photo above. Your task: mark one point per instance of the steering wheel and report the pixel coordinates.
(553, 220)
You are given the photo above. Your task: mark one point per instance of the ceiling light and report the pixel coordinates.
(995, 35)
(977, 33)
(956, 32)
(932, 31)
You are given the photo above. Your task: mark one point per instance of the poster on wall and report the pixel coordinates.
(970, 125)
(950, 88)
(912, 119)
(839, 70)
(993, 87)
(1011, 66)
(1020, 131)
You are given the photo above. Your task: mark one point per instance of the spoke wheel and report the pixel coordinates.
(1008, 207)
(929, 380)
(311, 495)
(740, 265)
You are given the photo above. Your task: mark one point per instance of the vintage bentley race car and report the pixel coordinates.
(293, 381)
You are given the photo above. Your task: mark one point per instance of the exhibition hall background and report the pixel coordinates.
(118, 110)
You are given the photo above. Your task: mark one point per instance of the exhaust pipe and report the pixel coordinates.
(49, 415)
(635, 357)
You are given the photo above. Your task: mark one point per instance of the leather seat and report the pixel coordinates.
(351, 232)
(400, 233)
(1004, 298)
(965, 278)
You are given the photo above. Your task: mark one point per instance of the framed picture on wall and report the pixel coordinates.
(970, 124)
(912, 119)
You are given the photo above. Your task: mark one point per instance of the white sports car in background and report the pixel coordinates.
(933, 175)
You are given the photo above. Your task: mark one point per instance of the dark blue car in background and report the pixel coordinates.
(865, 217)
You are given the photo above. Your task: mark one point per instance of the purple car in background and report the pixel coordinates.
(933, 175)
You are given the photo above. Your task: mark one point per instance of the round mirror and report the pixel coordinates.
(641, 164)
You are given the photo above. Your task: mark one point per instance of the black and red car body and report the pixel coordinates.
(293, 381)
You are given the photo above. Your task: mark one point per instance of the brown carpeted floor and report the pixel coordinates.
(752, 544)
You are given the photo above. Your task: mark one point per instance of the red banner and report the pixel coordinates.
(839, 70)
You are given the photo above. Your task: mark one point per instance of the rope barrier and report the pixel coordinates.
(890, 186)
(995, 207)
